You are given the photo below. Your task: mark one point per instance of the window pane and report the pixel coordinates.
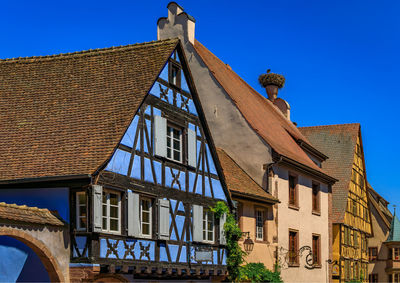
(104, 198)
(82, 211)
(113, 224)
(104, 210)
(176, 134)
(177, 145)
(168, 152)
(114, 211)
(146, 217)
(168, 142)
(82, 222)
(104, 223)
(145, 229)
(177, 155)
(145, 205)
(113, 199)
(82, 199)
(210, 236)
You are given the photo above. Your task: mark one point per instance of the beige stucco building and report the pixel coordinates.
(257, 135)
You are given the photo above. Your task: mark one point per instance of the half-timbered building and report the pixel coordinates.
(351, 216)
(116, 140)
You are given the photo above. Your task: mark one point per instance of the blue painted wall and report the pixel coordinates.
(52, 199)
(19, 263)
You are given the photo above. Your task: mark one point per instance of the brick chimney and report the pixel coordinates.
(177, 24)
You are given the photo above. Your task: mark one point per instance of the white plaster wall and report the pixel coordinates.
(305, 222)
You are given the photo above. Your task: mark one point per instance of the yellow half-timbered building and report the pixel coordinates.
(351, 219)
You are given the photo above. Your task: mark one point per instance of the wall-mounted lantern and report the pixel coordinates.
(248, 243)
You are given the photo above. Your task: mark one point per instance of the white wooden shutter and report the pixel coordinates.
(192, 152)
(197, 221)
(222, 220)
(97, 208)
(163, 219)
(160, 136)
(133, 214)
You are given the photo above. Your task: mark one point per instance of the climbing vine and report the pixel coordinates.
(232, 235)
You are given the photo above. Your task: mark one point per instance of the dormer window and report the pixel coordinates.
(174, 143)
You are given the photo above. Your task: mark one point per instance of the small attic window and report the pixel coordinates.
(174, 75)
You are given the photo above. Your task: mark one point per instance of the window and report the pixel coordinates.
(347, 269)
(292, 191)
(316, 249)
(81, 211)
(208, 225)
(293, 248)
(396, 277)
(111, 212)
(259, 224)
(145, 217)
(175, 75)
(174, 143)
(373, 278)
(355, 238)
(315, 198)
(396, 253)
(373, 253)
(355, 271)
(354, 207)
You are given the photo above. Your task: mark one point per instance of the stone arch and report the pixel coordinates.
(48, 260)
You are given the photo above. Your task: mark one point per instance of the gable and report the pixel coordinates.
(167, 143)
(62, 115)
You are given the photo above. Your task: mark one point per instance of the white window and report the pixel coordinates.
(111, 212)
(208, 225)
(174, 143)
(145, 217)
(81, 211)
(259, 224)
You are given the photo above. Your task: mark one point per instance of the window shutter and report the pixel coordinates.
(163, 219)
(160, 136)
(133, 214)
(192, 152)
(197, 222)
(222, 220)
(97, 208)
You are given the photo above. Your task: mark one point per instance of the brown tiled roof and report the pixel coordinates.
(261, 114)
(23, 213)
(64, 114)
(338, 142)
(239, 182)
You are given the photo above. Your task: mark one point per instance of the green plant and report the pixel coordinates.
(232, 235)
(271, 79)
(257, 272)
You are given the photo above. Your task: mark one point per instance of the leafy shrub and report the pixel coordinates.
(257, 272)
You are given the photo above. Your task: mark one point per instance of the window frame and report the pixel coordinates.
(77, 211)
(372, 257)
(296, 262)
(316, 198)
(318, 252)
(108, 217)
(206, 213)
(150, 211)
(295, 203)
(171, 138)
(262, 227)
(396, 250)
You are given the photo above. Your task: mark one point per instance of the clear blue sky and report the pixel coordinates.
(340, 58)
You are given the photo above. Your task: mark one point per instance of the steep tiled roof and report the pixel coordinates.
(23, 213)
(239, 182)
(261, 114)
(338, 142)
(394, 233)
(64, 114)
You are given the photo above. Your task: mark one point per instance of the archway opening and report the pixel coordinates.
(20, 263)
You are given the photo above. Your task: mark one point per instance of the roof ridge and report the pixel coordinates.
(88, 52)
(332, 125)
(24, 207)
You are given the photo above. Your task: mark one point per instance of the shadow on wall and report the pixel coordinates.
(19, 263)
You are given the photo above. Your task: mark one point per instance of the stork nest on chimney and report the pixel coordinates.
(271, 79)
